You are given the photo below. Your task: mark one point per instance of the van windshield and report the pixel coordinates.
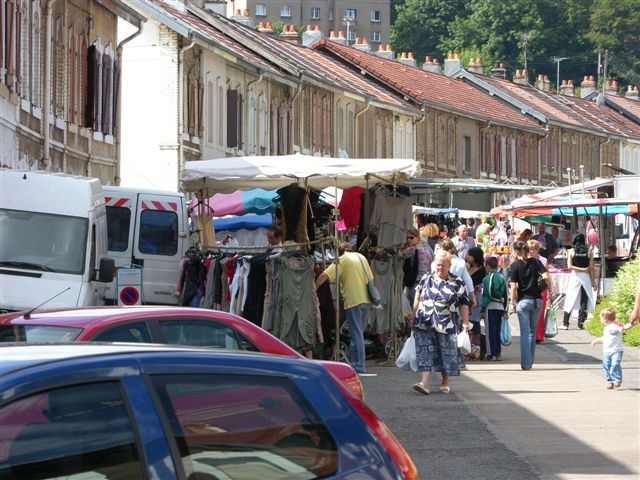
(42, 241)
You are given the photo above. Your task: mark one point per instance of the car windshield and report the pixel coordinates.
(43, 242)
(38, 333)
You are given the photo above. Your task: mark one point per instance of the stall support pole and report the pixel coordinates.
(602, 247)
(336, 214)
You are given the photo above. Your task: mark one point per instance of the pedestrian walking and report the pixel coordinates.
(582, 282)
(494, 303)
(526, 300)
(441, 310)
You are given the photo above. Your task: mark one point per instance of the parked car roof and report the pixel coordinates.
(155, 324)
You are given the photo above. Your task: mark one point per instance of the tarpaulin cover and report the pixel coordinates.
(585, 206)
(250, 222)
(272, 172)
(240, 202)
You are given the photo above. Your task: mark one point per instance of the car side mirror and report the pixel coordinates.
(107, 270)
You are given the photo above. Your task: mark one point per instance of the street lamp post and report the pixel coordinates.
(558, 60)
(348, 20)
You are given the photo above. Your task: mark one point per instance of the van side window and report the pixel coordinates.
(118, 221)
(80, 431)
(158, 232)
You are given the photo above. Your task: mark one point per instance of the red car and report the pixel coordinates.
(155, 324)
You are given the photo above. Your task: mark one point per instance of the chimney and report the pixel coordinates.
(499, 71)
(290, 34)
(543, 83)
(311, 35)
(611, 88)
(632, 93)
(475, 66)
(431, 65)
(588, 86)
(362, 44)
(566, 88)
(266, 28)
(339, 38)
(243, 17)
(407, 59)
(452, 64)
(521, 77)
(385, 52)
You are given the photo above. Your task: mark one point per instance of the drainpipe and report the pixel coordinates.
(423, 117)
(482, 131)
(293, 99)
(46, 105)
(181, 106)
(601, 153)
(118, 134)
(367, 103)
(540, 139)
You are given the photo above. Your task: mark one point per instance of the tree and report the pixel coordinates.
(615, 25)
(499, 29)
(420, 25)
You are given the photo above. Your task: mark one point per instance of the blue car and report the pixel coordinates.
(127, 412)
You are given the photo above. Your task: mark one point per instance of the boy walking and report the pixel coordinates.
(494, 302)
(611, 341)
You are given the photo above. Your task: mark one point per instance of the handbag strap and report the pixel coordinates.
(363, 267)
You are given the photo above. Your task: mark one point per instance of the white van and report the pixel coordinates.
(147, 228)
(53, 241)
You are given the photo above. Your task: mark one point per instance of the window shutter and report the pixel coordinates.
(200, 108)
(116, 94)
(106, 93)
(240, 117)
(91, 86)
(232, 118)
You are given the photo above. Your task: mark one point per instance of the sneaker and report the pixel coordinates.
(564, 327)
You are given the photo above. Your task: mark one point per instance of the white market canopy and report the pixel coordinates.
(271, 172)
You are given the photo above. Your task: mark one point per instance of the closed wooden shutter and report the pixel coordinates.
(91, 86)
(232, 118)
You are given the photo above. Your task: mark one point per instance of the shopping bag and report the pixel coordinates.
(505, 333)
(407, 358)
(550, 324)
(464, 342)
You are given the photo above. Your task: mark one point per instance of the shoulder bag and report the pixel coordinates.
(372, 290)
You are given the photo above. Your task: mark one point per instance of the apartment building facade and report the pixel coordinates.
(357, 19)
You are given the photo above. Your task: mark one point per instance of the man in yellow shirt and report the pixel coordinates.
(354, 272)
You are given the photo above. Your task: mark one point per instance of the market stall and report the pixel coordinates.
(273, 172)
(595, 210)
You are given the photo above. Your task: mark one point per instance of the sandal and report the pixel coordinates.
(420, 388)
(445, 389)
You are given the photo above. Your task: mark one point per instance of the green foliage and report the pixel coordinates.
(420, 24)
(538, 31)
(621, 299)
(497, 28)
(615, 25)
(278, 27)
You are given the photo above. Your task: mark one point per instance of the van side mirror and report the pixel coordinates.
(107, 270)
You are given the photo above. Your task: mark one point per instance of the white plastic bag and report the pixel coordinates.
(464, 342)
(407, 358)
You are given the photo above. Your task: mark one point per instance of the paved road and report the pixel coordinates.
(556, 421)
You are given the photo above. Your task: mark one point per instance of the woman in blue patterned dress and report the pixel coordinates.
(441, 309)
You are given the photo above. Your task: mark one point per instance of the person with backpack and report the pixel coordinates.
(494, 304)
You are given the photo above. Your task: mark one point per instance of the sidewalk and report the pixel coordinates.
(559, 415)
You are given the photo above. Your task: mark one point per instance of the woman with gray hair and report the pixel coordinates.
(441, 310)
